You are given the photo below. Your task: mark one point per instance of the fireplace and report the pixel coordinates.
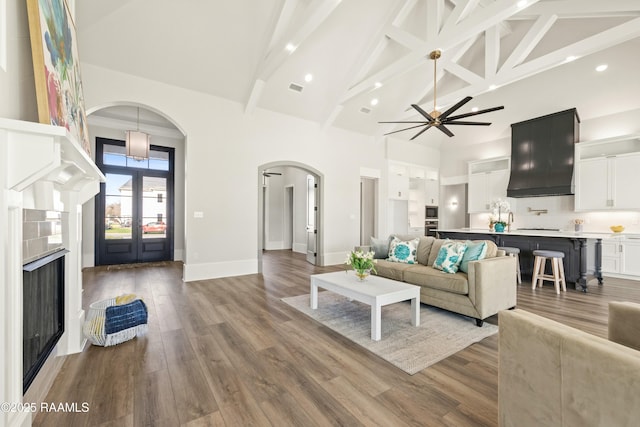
(43, 312)
(44, 170)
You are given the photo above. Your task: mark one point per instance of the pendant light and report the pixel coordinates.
(137, 143)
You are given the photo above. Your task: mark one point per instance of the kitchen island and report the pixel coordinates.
(582, 251)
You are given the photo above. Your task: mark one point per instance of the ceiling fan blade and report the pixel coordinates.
(421, 111)
(445, 130)
(455, 107)
(475, 113)
(412, 127)
(421, 132)
(423, 122)
(467, 123)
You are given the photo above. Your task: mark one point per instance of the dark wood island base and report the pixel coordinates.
(583, 255)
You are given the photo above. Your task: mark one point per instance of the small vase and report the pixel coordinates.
(362, 274)
(499, 228)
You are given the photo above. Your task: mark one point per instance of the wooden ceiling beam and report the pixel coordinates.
(582, 9)
(603, 40)
(477, 22)
(284, 33)
(537, 31)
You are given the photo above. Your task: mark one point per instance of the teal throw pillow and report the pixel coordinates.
(380, 247)
(475, 252)
(450, 256)
(403, 251)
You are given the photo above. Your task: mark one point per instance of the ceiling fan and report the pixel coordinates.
(438, 119)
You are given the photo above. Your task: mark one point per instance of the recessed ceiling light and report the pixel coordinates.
(308, 77)
(522, 3)
(290, 47)
(571, 58)
(474, 109)
(374, 101)
(492, 87)
(377, 85)
(602, 67)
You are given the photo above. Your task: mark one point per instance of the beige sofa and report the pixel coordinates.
(489, 286)
(553, 375)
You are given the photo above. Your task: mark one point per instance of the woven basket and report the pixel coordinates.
(94, 326)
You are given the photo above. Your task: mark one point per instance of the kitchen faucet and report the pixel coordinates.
(509, 221)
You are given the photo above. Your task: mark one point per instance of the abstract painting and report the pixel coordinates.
(56, 68)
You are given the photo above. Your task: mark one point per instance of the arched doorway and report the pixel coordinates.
(121, 229)
(290, 200)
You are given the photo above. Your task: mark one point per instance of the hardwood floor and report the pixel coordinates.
(228, 352)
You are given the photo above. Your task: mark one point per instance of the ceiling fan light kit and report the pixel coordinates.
(439, 119)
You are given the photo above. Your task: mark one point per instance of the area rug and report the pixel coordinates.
(412, 349)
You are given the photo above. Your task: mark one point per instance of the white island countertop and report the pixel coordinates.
(543, 233)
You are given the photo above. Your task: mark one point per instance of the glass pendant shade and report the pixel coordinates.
(137, 144)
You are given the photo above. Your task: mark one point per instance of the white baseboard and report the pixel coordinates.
(88, 260)
(274, 245)
(214, 270)
(300, 248)
(334, 258)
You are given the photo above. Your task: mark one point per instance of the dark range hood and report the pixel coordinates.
(542, 155)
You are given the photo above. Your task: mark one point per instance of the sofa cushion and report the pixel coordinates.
(380, 247)
(492, 248)
(401, 251)
(435, 248)
(424, 248)
(392, 270)
(475, 251)
(435, 279)
(450, 256)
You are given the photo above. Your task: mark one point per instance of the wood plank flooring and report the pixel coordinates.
(228, 352)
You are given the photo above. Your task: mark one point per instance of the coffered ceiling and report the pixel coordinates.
(539, 54)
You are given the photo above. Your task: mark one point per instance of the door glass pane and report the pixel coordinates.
(154, 207)
(118, 206)
(137, 163)
(114, 155)
(158, 160)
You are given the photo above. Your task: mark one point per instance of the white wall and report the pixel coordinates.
(18, 99)
(224, 148)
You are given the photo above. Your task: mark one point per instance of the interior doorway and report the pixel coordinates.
(368, 214)
(290, 203)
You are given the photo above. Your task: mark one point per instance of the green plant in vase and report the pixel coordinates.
(362, 263)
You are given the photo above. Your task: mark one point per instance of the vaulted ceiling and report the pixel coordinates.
(540, 55)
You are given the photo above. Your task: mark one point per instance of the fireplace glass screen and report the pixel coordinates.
(43, 312)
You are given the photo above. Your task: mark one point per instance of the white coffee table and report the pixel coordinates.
(375, 291)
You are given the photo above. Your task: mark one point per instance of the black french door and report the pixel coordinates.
(134, 210)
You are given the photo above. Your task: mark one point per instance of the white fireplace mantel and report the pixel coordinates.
(40, 166)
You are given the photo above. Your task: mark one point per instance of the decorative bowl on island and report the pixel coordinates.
(617, 228)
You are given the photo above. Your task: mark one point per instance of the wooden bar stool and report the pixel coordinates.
(557, 267)
(514, 252)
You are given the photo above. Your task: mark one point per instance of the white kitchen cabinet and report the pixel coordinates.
(625, 175)
(398, 187)
(631, 256)
(612, 256)
(605, 174)
(432, 192)
(415, 185)
(488, 181)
